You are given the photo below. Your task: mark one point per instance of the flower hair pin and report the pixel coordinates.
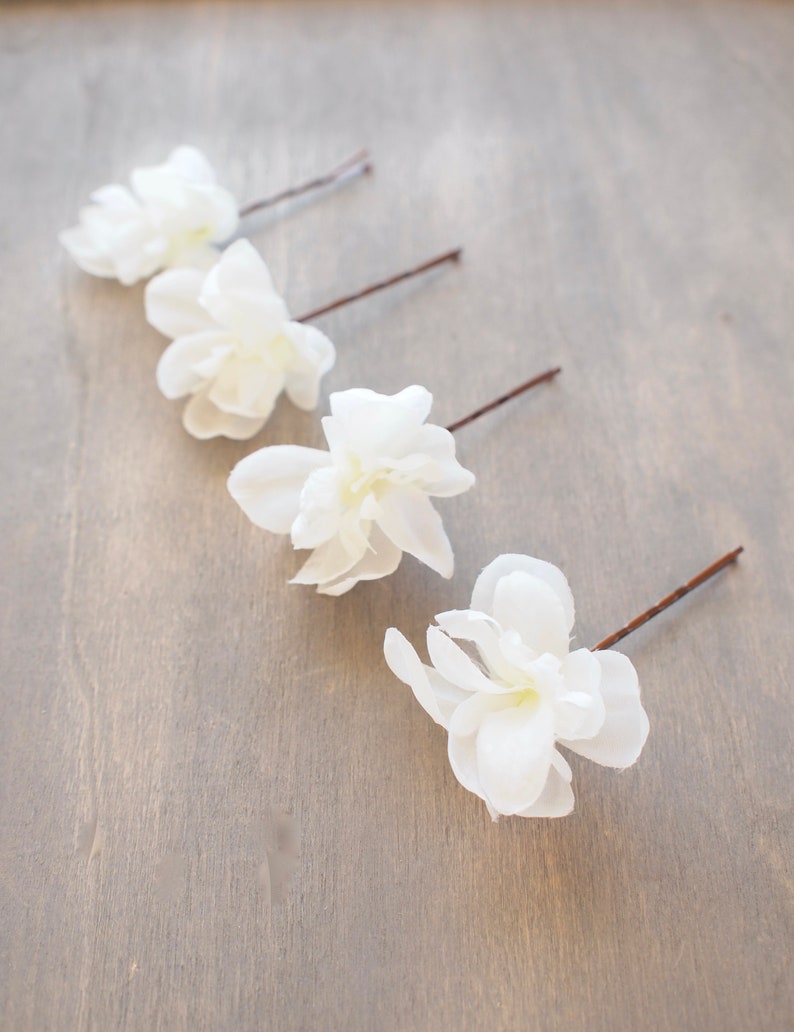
(524, 693)
(234, 346)
(172, 216)
(365, 501)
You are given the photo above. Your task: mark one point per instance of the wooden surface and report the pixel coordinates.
(621, 177)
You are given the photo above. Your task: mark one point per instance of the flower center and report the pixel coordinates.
(198, 236)
(275, 352)
(358, 483)
(187, 240)
(526, 692)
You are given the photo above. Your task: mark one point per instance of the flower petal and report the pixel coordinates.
(116, 197)
(484, 588)
(379, 560)
(443, 476)
(625, 727)
(330, 562)
(465, 722)
(514, 754)
(246, 387)
(407, 517)
(484, 632)
(239, 294)
(314, 356)
(177, 374)
(126, 238)
(319, 516)
(404, 663)
(455, 666)
(374, 425)
(158, 187)
(462, 753)
(437, 696)
(190, 163)
(172, 303)
(337, 556)
(526, 604)
(169, 184)
(522, 659)
(267, 484)
(203, 420)
(86, 253)
(580, 708)
(470, 714)
(414, 399)
(556, 799)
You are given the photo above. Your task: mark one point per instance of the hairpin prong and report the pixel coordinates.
(448, 256)
(668, 600)
(358, 164)
(541, 378)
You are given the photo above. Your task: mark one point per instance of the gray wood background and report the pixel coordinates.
(219, 809)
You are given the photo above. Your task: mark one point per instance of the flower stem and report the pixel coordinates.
(449, 256)
(548, 375)
(356, 165)
(668, 600)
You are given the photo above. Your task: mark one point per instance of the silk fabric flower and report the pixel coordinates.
(234, 347)
(507, 709)
(364, 502)
(171, 217)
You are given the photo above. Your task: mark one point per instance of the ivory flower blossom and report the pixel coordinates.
(234, 347)
(171, 217)
(364, 502)
(507, 710)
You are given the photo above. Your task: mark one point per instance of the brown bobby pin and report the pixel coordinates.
(449, 256)
(668, 600)
(356, 165)
(542, 378)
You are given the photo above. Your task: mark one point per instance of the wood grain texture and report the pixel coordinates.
(620, 176)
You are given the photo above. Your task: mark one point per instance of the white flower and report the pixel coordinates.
(507, 713)
(362, 504)
(172, 215)
(234, 347)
